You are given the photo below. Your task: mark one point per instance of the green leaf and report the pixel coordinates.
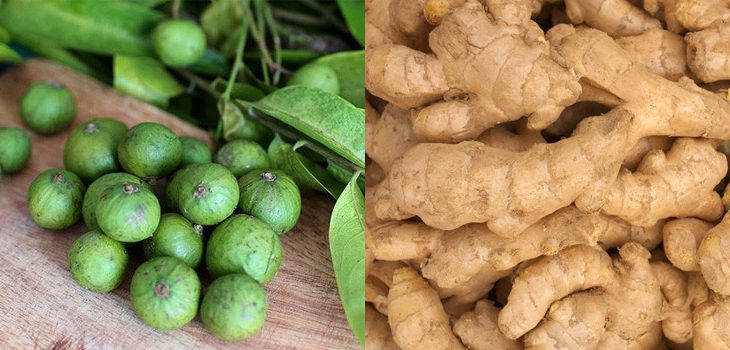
(145, 78)
(235, 125)
(326, 118)
(354, 13)
(305, 173)
(8, 55)
(347, 246)
(105, 27)
(148, 3)
(350, 69)
(4, 36)
(47, 49)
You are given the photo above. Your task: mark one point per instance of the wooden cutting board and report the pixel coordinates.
(42, 307)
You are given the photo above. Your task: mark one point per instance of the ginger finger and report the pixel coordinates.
(622, 233)
(682, 237)
(390, 137)
(708, 53)
(668, 8)
(713, 260)
(575, 322)
(697, 15)
(678, 184)
(615, 17)
(642, 147)
(549, 279)
(407, 17)
(403, 76)
(478, 329)
(572, 115)
(494, 75)
(377, 331)
(661, 51)
(676, 312)
(378, 282)
(416, 316)
(461, 298)
(521, 139)
(710, 321)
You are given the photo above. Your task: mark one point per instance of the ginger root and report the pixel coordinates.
(663, 187)
(661, 51)
(615, 17)
(390, 136)
(499, 78)
(681, 239)
(710, 321)
(676, 311)
(377, 331)
(708, 53)
(416, 315)
(713, 257)
(478, 329)
(697, 15)
(622, 312)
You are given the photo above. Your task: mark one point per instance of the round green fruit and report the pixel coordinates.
(15, 147)
(128, 212)
(244, 244)
(317, 76)
(47, 108)
(97, 262)
(55, 198)
(234, 307)
(179, 43)
(165, 293)
(97, 188)
(271, 196)
(150, 150)
(195, 151)
(207, 193)
(241, 156)
(176, 237)
(91, 148)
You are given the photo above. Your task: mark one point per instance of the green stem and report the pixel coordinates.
(175, 9)
(297, 18)
(238, 63)
(273, 27)
(262, 44)
(314, 5)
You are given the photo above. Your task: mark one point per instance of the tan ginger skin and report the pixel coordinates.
(390, 136)
(708, 53)
(377, 283)
(679, 183)
(682, 237)
(476, 95)
(377, 331)
(713, 257)
(478, 329)
(416, 316)
(710, 320)
(622, 317)
(676, 308)
(615, 17)
(580, 168)
(696, 15)
(661, 51)
(667, 8)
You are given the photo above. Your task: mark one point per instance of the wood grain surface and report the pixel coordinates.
(42, 307)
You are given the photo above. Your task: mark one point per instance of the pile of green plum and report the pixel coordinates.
(147, 189)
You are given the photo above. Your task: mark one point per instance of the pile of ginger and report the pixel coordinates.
(547, 174)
